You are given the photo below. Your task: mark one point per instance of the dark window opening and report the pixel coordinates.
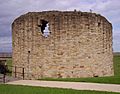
(44, 28)
(28, 51)
(99, 24)
(96, 76)
(43, 25)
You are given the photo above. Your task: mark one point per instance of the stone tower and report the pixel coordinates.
(78, 44)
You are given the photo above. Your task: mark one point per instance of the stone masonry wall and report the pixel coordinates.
(79, 45)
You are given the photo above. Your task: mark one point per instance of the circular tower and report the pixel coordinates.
(62, 44)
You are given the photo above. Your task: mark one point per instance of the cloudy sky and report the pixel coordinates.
(11, 9)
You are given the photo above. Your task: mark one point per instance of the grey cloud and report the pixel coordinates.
(110, 9)
(11, 9)
(5, 44)
(6, 47)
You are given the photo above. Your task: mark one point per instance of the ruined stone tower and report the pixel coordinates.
(78, 44)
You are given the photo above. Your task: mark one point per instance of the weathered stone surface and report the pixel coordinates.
(79, 45)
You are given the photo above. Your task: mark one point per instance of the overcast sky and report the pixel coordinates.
(11, 9)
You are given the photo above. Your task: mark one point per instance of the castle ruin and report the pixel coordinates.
(62, 44)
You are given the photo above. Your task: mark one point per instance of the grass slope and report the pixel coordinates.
(112, 80)
(9, 64)
(107, 80)
(11, 89)
(116, 60)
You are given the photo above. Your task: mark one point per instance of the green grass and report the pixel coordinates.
(9, 64)
(116, 60)
(107, 80)
(111, 80)
(12, 89)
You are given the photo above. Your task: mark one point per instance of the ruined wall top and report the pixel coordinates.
(62, 13)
